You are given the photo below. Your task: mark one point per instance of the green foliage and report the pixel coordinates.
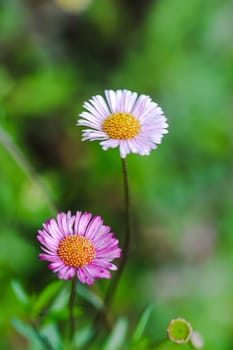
(142, 323)
(181, 54)
(45, 91)
(171, 346)
(91, 297)
(35, 339)
(20, 292)
(46, 297)
(117, 338)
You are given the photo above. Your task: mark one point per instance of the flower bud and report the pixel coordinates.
(179, 331)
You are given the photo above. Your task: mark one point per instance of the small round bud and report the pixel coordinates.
(179, 331)
(197, 340)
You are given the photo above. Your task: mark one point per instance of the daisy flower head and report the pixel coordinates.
(79, 245)
(124, 119)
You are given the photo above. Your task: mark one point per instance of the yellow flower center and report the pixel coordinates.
(76, 251)
(121, 126)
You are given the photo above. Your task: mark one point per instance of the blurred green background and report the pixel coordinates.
(54, 55)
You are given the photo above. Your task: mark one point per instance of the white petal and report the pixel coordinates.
(111, 99)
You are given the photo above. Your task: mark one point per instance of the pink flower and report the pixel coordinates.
(133, 123)
(79, 245)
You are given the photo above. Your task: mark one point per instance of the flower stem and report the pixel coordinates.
(71, 309)
(126, 245)
(102, 315)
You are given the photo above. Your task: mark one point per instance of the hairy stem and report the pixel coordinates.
(102, 315)
(126, 245)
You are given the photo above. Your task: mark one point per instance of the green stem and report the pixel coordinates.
(71, 309)
(126, 247)
(25, 165)
(126, 244)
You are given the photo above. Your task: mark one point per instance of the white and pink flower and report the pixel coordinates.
(79, 245)
(124, 119)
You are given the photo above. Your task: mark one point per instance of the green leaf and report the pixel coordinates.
(118, 335)
(19, 292)
(140, 328)
(61, 300)
(83, 336)
(47, 296)
(90, 296)
(51, 332)
(37, 342)
(58, 315)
